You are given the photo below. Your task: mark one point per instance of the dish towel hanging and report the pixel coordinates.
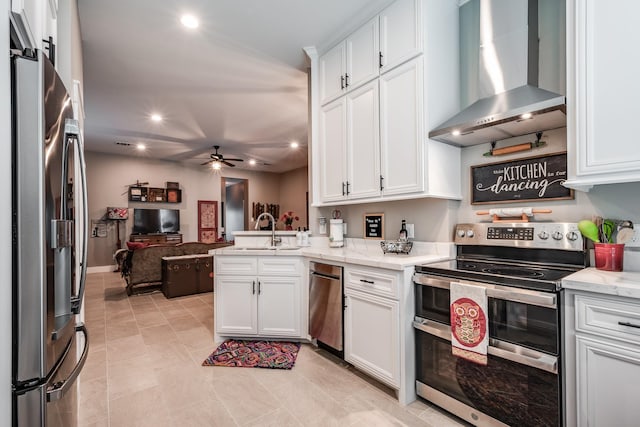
(469, 335)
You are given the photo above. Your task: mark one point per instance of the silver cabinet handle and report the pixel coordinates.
(59, 389)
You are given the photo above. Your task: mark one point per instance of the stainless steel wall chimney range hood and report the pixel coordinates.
(509, 51)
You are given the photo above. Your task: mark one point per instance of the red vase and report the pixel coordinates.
(288, 227)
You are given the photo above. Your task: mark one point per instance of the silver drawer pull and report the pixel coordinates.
(371, 282)
(631, 325)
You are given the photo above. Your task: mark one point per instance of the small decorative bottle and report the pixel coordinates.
(403, 231)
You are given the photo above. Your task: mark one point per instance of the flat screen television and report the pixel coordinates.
(148, 221)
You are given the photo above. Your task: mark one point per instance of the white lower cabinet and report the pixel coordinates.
(259, 296)
(602, 367)
(372, 322)
(608, 382)
(371, 341)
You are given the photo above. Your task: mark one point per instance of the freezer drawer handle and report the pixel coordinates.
(59, 389)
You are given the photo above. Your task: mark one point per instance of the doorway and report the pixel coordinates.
(235, 202)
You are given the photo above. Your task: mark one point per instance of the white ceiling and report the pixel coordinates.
(238, 81)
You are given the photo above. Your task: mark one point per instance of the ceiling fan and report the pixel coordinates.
(219, 158)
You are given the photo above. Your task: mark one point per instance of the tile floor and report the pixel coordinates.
(144, 369)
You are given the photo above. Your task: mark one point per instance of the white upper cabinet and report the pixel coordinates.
(400, 33)
(602, 92)
(362, 55)
(331, 68)
(350, 156)
(39, 18)
(379, 121)
(351, 63)
(333, 151)
(401, 129)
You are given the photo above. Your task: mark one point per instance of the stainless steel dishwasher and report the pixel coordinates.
(326, 305)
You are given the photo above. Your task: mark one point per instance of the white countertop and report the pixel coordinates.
(624, 284)
(356, 251)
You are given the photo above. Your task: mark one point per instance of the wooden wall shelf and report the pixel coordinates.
(155, 195)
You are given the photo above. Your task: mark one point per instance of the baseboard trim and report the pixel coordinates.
(101, 269)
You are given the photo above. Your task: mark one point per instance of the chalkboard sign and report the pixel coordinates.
(524, 180)
(374, 226)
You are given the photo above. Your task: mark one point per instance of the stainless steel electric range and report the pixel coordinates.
(521, 266)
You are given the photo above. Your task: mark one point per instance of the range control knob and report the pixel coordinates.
(557, 235)
(543, 235)
(461, 233)
(572, 235)
(470, 233)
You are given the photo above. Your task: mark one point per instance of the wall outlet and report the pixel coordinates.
(411, 231)
(635, 240)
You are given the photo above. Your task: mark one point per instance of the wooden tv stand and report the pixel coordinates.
(159, 238)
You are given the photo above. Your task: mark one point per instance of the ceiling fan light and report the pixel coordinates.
(216, 166)
(189, 21)
(252, 162)
(141, 147)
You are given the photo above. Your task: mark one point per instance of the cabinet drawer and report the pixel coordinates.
(372, 281)
(608, 317)
(241, 265)
(279, 266)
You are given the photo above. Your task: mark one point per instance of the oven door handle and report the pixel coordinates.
(501, 349)
(507, 293)
(542, 299)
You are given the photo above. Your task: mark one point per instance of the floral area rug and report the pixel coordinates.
(254, 354)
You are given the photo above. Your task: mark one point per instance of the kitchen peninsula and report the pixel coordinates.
(263, 292)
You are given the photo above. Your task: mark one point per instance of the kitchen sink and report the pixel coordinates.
(266, 248)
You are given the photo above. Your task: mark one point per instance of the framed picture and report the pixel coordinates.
(207, 221)
(117, 213)
(174, 195)
(374, 226)
(529, 179)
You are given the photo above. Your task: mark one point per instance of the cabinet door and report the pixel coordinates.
(333, 152)
(279, 306)
(401, 129)
(608, 383)
(363, 142)
(371, 337)
(400, 33)
(362, 55)
(236, 305)
(332, 70)
(603, 88)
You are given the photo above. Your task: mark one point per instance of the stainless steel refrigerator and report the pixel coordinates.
(49, 344)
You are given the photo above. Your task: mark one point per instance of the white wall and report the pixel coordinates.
(5, 220)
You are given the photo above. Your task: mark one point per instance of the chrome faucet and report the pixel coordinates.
(274, 240)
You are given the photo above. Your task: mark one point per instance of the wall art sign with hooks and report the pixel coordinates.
(528, 179)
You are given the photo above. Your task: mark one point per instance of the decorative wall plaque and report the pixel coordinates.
(523, 180)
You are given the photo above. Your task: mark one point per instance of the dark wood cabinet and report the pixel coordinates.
(155, 194)
(155, 239)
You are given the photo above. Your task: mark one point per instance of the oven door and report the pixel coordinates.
(517, 387)
(522, 317)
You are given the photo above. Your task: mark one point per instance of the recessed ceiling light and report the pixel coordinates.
(141, 147)
(294, 144)
(156, 117)
(526, 116)
(455, 132)
(189, 21)
(252, 162)
(215, 166)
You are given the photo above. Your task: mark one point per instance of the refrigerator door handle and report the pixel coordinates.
(72, 129)
(59, 389)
